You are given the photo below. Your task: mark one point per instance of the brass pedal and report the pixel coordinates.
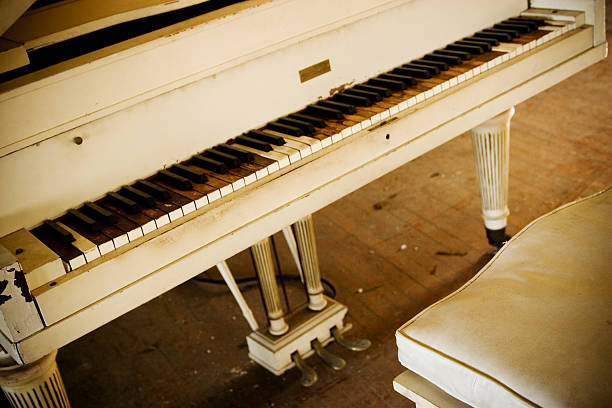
(332, 360)
(351, 344)
(309, 375)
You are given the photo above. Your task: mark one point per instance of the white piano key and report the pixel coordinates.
(215, 195)
(292, 154)
(453, 81)
(476, 70)
(199, 203)
(135, 233)
(303, 148)
(356, 128)
(226, 190)
(437, 89)
(394, 110)
(77, 262)
(411, 101)
(259, 173)
(121, 240)
(88, 248)
(384, 115)
(238, 184)
(326, 142)
(461, 78)
(336, 138)
(106, 247)
(175, 214)
(420, 97)
(150, 226)
(346, 132)
(445, 85)
(250, 179)
(403, 105)
(160, 221)
(483, 68)
(428, 93)
(375, 118)
(469, 74)
(315, 144)
(366, 124)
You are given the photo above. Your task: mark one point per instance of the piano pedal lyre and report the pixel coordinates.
(311, 326)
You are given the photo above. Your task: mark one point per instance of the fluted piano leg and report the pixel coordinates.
(266, 273)
(307, 248)
(491, 141)
(34, 385)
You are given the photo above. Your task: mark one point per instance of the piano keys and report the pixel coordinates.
(228, 167)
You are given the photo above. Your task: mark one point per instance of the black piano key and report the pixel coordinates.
(266, 137)
(210, 164)
(390, 84)
(408, 80)
(372, 96)
(531, 24)
(141, 197)
(442, 66)
(58, 232)
(461, 54)
(87, 222)
(382, 91)
(429, 69)
(254, 143)
(447, 59)
(228, 159)
(342, 107)
(189, 173)
(285, 128)
(99, 213)
(412, 72)
(520, 28)
(178, 181)
(156, 191)
(325, 112)
(316, 122)
(497, 36)
(243, 155)
(472, 49)
(306, 127)
(355, 100)
(489, 40)
(511, 33)
(485, 46)
(538, 21)
(123, 202)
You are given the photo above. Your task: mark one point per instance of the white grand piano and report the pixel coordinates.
(141, 144)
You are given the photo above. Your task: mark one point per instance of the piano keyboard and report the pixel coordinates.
(94, 229)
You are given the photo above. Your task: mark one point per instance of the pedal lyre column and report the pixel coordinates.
(304, 235)
(266, 272)
(491, 141)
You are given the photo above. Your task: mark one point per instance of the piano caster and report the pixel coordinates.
(309, 375)
(497, 238)
(351, 344)
(332, 360)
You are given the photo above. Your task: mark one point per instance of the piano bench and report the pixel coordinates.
(532, 328)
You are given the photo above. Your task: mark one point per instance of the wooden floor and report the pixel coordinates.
(380, 248)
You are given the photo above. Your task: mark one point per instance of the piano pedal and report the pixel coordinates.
(351, 344)
(332, 360)
(309, 375)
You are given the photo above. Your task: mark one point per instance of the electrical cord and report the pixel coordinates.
(330, 289)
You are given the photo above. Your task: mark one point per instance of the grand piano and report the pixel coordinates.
(142, 144)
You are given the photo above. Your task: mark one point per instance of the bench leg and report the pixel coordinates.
(307, 248)
(34, 385)
(491, 141)
(266, 274)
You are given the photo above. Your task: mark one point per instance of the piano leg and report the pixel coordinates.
(266, 273)
(307, 248)
(37, 384)
(491, 153)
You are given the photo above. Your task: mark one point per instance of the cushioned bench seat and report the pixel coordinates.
(532, 328)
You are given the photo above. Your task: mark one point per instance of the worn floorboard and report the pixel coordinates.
(379, 246)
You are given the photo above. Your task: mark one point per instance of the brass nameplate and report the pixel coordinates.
(314, 71)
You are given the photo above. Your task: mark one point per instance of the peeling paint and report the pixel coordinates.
(340, 88)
